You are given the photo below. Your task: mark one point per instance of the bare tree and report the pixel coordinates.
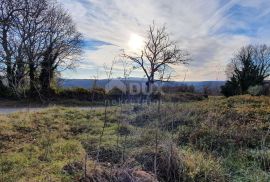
(262, 60)
(127, 69)
(34, 24)
(95, 80)
(8, 11)
(20, 22)
(37, 38)
(158, 54)
(109, 72)
(63, 44)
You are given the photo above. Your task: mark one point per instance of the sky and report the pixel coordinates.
(211, 31)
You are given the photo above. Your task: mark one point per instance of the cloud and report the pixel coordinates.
(90, 44)
(210, 30)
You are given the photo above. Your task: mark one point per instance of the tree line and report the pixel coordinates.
(37, 40)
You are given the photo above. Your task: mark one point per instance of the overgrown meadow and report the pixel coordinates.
(217, 139)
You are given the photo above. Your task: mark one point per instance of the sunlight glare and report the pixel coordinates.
(135, 42)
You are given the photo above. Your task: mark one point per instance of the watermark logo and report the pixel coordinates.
(116, 84)
(133, 87)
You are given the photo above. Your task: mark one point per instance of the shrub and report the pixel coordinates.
(183, 97)
(266, 88)
(169, 163)
(115, 93)
(96, 94)
(73, 168)
(181, 165)
(124, 130)
(72, 93)
(180, 88)
(231, 88)
(111, 155)
(202, 167)
(256, 90)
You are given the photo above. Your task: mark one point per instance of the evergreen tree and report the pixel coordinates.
(245, 71)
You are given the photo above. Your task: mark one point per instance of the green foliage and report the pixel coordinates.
(231, 88)
(246, 71)
(96, 94)
(202, 167)
(73, 92)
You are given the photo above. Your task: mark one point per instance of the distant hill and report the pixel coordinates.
(89, 83)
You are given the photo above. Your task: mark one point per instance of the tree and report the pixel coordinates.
(63, 45)
(245, 70)
(249, 67)
(8, 11)
(262, 60)
(35, 15)
(37, 38)
(158, 54)
(231, 87)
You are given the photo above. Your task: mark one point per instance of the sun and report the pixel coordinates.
(135, 42)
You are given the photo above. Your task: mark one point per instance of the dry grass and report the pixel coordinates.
(211, 140)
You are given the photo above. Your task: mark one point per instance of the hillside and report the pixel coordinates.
(212, 140)
(88, 83)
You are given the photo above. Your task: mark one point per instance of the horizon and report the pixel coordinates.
(132, 78)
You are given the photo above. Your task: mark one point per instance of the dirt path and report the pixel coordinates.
(33, 109)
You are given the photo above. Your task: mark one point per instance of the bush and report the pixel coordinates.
(202, 167)
(231, 88)
(256, 90)
(97, 90)
(179, 89)
(111, 155)
(74, 93)
(169, 163)
(183, 97)
(181, 165)
(266, 89)
(115, 93)
(96, 94)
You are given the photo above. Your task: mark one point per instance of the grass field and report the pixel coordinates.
(218, 139)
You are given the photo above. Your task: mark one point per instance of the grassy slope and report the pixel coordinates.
(214, 140)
